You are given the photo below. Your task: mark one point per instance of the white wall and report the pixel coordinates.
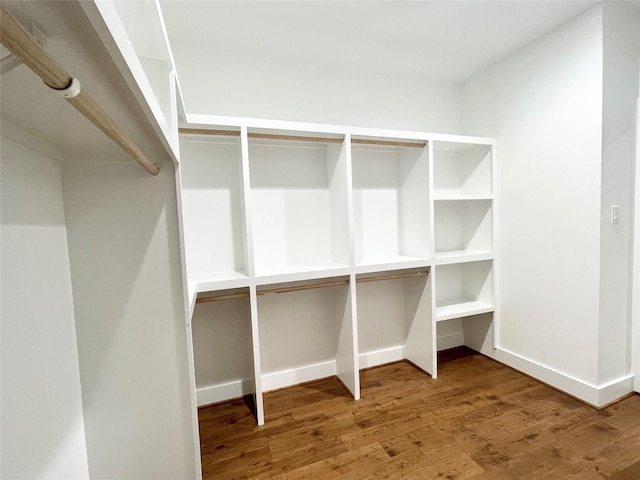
(43, 435)
(238, 84)
(125, 268)
(544, 105)
(621, 44)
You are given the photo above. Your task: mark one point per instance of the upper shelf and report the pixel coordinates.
(135, 35)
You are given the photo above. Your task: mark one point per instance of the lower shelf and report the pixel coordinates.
(461, 307)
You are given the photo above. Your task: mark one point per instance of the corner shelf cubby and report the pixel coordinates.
(462, 171)
(462, 229)
(213, 212)
(390, 201)
(299, 206)
(464, 289)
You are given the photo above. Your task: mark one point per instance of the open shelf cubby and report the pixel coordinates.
(394, 318)
(462, 171)
(390, 203)
(222, 346)
(475, 332)
(464, 289)
(462, 228)
(306, 333)
(299, 199)
(213, 212)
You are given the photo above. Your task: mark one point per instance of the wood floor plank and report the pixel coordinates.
(479, 420)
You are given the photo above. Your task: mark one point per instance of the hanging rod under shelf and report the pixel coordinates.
(392, 276)
(263, 136)
(21, 43)
(292, 288)
(388, 143)
(301, 138)
(312, 286)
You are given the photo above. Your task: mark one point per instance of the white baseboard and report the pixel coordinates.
(286, 378)
(293, 376)
(450, 341)
(596, 395)
(380, 357)
(224, 391)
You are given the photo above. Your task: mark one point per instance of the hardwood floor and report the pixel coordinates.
(479, 420)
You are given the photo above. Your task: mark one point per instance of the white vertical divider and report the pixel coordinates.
(189, 304)
(635, 277)
(419, 348)
(347, 361)
(494, 248)
(257, 367)
(431, 284)
(246, 203)
(251, 270)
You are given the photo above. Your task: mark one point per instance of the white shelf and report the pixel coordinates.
(461, 307)
(293, 273)
(390, 262)
(461, 256)
(453, 197)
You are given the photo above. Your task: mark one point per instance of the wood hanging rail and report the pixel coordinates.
(21, 43)
(292, 288)
(300, 138)
(313, 286)
(392, 276)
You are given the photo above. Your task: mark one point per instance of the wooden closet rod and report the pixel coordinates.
(300, 138)
(389, 143)
(392, 276)
(313, 286)
(293, 288)
(20, 42)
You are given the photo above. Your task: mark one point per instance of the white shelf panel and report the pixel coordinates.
(294, 273)
(206, 282)
(390, 262)
(460, 307)
(457, 197)
(461, 256)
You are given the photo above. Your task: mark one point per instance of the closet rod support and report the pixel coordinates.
(17, 39)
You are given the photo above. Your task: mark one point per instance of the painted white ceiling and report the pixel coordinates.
(437, 40)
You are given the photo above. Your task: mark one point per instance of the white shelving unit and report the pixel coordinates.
(353, 247)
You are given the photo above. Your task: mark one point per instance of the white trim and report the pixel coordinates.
(598, 396)
(453, 340)
(635, 274)
(380, 357)
(197, 119)
(224, 391)
(294, 376)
